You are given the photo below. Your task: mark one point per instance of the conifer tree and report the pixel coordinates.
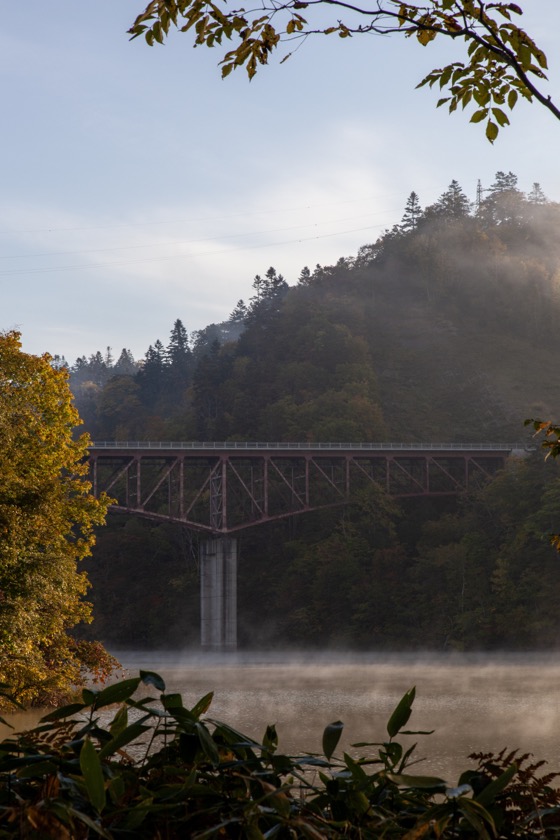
(125, 364)
(505, 202)
(412, 213)
(178, 351)
(97, 369)
(150, 376)
(239, 314)
(452, 204)
(536, 196)
(270, 290)
(178, 359)
(304, 276)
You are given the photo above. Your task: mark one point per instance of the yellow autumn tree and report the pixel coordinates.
(47, 520)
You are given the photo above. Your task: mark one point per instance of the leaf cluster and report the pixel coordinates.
(155, 767)
(503, 62)
(48, 516)
(551, 445)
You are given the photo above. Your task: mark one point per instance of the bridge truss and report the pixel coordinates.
(222, 488)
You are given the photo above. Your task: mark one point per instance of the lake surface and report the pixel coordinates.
(473, 703)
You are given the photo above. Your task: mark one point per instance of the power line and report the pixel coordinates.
(180, 241)
(27, 271)
(168, 222)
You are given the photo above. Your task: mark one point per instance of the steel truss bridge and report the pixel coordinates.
(222, 488)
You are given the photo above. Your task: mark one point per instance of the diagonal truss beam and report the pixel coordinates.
(227, 490)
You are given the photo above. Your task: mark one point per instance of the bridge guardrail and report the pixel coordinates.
(299, 445)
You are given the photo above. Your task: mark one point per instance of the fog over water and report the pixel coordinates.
(474, 703)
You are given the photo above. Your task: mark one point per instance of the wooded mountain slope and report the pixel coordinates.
(445, 329)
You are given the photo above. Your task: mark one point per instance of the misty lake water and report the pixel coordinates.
(473, 703)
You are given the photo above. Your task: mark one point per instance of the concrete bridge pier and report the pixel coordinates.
(218, 594)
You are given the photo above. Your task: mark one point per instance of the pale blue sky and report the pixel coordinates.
(138, 187)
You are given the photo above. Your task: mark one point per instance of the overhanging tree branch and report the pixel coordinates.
(503, 62)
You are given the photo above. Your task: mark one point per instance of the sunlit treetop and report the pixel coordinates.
(502, 61)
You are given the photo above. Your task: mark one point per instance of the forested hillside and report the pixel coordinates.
(444, 329)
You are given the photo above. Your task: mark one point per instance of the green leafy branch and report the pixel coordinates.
(503, 61)
(155, 767)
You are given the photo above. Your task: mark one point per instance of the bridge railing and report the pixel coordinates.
(299, 445)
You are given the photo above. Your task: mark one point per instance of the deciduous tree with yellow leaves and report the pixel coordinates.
(47, 520)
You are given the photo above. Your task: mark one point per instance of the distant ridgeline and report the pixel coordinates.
(444, 329)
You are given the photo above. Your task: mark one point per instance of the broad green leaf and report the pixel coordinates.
(37, 769)
(88, 696)
(151, 678)
(487, 796)
(98, 829)
(63, 712)
(492, 131)
(92, 772)
(331, 737)
(357, 771)
(270, 739)
(203, 705)
(500, 117)
(404, 780)
(116, 788)
(122, 739)
(393, 750)
(117, 693)
(402, 713)
(119, 722)
(358, 801)
(207, 743)
(172, 701)
(478, 817)
(479, 115)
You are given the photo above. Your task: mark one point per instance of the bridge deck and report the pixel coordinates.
(222, 487)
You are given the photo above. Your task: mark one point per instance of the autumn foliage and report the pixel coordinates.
(47, 520)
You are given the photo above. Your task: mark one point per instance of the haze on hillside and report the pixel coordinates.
(138, 187)
(444, 329)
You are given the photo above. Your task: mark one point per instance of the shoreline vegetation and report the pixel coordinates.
(157, 768)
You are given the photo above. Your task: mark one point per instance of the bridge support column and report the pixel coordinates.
(218, 594)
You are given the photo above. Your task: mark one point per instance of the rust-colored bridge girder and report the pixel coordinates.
(221, 488)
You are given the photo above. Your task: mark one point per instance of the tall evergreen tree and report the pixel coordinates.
(536, 196)
(179, 361)
(109, 359)
(239, 314)
(304, 276)
(178, 352)
(97, 369)
(270, 290)
(452, 204)
(505, 201)
(150, 376)
(125, 364)
(412, 213)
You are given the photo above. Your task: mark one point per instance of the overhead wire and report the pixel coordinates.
(244, 213)
(90, 266)
(170, 243)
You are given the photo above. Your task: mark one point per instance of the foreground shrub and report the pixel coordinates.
(154, 768)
